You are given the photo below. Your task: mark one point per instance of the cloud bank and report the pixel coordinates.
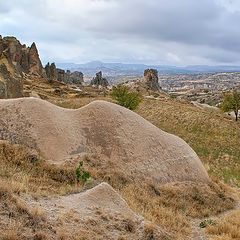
(173, 32)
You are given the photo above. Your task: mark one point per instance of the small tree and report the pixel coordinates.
(126, 98)
(231, 102)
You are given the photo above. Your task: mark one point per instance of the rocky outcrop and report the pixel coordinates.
(51, 72)
(11, 85)
(34, 62)
(57, 74)
(25, 59)
(99, 80)
(76, 77)
(151, 79)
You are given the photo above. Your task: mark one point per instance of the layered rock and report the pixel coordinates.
(99, 80)
(151, 79)
(11, 85)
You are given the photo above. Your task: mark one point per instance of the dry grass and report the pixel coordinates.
(19, 173)
(227, 228)
(173, 205)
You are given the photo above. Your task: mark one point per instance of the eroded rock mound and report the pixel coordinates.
(117, 138)
(100, 207)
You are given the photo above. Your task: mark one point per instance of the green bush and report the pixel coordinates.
(207, 222)
(126, 98)
(82, 175)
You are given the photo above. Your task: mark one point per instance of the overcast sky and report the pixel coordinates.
(169, 32)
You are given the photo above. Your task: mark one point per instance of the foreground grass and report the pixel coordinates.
(226, 228)
(171, 206)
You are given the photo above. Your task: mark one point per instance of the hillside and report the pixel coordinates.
(213, 136)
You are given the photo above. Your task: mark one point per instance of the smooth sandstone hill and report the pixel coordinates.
(100, 213)
(119, 138)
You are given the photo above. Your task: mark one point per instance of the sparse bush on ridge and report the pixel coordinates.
(125, 97)
(81, 174)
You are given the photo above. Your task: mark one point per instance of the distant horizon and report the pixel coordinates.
(142, 63)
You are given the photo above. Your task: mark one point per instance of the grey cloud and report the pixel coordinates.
(188, 30)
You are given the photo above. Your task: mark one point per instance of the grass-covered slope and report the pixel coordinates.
(214, 137)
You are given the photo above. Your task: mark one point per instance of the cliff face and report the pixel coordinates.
(11, 85)
(25, 59)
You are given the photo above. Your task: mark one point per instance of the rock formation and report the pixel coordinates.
(51, 72)
(99, 80)
(11, 85)
(57, 74)
(35, 64)
(151, 79)
(76, 77)
(112, 136)
(25, 59)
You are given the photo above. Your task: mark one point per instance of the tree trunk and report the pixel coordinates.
(236, 114)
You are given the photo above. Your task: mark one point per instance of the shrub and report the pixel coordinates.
(82, 175)
(207, 222)
(126, 98)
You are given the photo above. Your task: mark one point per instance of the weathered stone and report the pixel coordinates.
(35, 65)
(99, 80)
(151, 79)
(51, 72)
(61, 75)
(11, 85)
(25, 59)
(76, 77)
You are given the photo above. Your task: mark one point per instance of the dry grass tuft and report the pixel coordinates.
(226, 228)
